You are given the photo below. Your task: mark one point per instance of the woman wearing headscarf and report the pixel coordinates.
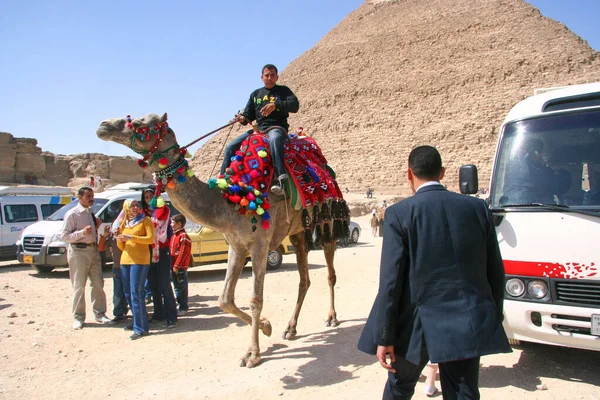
(159, 275)
(135, 234)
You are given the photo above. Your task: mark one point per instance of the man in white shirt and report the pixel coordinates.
(80, 231)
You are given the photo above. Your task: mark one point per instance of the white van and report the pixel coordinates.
(23, 206)
(40, 244)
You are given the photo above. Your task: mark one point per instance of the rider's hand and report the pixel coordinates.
(241, 119)
(267, 109)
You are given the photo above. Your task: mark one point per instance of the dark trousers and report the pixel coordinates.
(459, 379)
(276, 138)
(159, 278)
(119, 300)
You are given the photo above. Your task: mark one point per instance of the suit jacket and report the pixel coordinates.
(441, 280)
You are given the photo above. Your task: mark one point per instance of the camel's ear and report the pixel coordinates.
(163, 118)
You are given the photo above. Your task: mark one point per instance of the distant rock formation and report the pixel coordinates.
(21, 160)
(395, 74)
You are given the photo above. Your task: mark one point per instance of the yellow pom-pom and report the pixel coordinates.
(262, 153)
(190, 173)
(188, 155)
(161, 165)
(256, 192)
(260, 211)
(222, 183)
(160, 202)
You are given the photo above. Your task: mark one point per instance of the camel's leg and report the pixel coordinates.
(302, 261)
(259, 267)
(236, 261)
(329, 250)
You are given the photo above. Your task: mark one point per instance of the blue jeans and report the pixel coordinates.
(134, 276)
(180, 281)
(277, 139)
(119, 300)
(159, 278)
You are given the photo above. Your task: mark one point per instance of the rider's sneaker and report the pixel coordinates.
(277, 188)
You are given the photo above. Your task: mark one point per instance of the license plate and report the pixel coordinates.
(28, 259)
(596, 324)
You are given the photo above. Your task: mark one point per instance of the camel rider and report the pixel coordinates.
(270, 107)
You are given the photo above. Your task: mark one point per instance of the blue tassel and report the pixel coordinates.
(266, 215)
(181, 179)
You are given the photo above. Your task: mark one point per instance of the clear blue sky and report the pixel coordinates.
(67, 65)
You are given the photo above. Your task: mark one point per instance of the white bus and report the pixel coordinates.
(545, 197)
(22, 206)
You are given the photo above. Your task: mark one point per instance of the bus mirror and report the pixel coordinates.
(469, 183)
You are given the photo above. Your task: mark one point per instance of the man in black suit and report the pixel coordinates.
(441, 286)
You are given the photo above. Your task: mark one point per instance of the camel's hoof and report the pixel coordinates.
(332, 322)
(289, 334)
(265, 326)
(250, 360)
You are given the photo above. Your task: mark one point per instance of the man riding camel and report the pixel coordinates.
(270, 107)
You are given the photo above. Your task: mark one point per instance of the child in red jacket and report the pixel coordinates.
(181, 251)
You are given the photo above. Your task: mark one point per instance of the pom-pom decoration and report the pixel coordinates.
(181, 179)
(244, 202)
(212, 183)
(143, 163)
(190, 173)
(260, 211)
(171, 185)
(251, 206)
(160, 202)
(262, 153)
(266, 224)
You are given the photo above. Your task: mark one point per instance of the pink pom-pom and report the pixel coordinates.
(254, 174)
(250, 196)
(129, 125)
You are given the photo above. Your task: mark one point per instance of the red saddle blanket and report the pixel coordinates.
(248, 178)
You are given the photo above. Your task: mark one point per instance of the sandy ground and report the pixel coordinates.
(41, 357)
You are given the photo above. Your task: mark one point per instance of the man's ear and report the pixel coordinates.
(442, 173)
(410, 175)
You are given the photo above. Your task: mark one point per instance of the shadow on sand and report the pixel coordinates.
(537, 361)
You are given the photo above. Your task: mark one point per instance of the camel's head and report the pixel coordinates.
(130, 132)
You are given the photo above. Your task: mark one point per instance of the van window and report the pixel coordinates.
(111, 212)
(60, 214)
(49, 209)
(20, 213)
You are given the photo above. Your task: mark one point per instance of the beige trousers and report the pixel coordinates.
(84, 264)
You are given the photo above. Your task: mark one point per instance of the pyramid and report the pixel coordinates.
(395, 74)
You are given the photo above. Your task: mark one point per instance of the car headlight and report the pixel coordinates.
(537, 289)
(515, 287)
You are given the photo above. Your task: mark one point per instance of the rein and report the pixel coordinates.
(165, 176)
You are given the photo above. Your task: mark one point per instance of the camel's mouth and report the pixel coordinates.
(112, 129)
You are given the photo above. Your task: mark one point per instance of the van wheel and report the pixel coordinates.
(103, 260)
(354, 236)
(274, 260)
(43, 269)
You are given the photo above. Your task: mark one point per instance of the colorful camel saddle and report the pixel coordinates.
(311, 188)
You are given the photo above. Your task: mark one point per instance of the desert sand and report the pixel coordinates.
(42, 357)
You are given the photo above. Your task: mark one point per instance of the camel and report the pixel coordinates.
(206, 206)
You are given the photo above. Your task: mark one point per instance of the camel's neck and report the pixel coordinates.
(197, 202)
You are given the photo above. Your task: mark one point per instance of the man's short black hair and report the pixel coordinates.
(425, 162)
(269, 66)
(83, 189)
(179, 218)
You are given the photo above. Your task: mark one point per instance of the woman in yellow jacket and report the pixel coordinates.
(136, 233)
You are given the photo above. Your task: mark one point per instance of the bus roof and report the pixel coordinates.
(35, 191)
(536, 105)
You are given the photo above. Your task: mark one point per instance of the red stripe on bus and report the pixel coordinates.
(570, 270)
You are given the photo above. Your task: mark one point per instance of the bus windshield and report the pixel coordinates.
(59, 215)
(553, 160)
